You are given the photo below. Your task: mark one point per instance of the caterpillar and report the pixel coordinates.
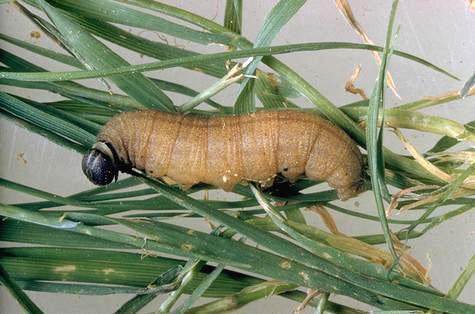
(226, 150)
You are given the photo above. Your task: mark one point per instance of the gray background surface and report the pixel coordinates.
(440, 31)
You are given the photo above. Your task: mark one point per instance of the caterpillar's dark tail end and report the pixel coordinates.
(99, 166)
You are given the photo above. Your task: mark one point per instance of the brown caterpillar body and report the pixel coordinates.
(224, 151)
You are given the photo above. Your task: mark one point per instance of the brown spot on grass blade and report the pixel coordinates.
(304, 276)
(345, 9)
(107, 271)
(65, 269)
(35, 34)
(285, 264)
(186, 247)
(21, 157)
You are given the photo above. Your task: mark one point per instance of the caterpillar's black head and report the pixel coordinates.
(100, 164)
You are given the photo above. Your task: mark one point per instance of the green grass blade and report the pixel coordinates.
(201, 289)
(215, 27)
(24, 232)
(246, 101)
(468, 86)
(132, 271)
(82, 123)
(173, 238)
(246, 296)
(176, 240)
(71, 90)
(61, 141)
(147, 47)
(43, 51)
(183, 280)
(164, 283)
(95, 55)
(462, 280)
(200, 59)
(46, 121)
(233, 16)
(447, 142)
(401, 118)
(75, 288)
(272, 91)
(67, 89)
(181, 14)
(374, 136)
(114, 12)
(280, 14)
(326, 252)
(18, 293)
(200, 243)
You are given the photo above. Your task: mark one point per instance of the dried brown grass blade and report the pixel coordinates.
(469, 183)
(471, 5)
(345, 9)
(350, 84)
(326, 218)
(311, 293)
(395, 198)
(409, 266)
(409, 263)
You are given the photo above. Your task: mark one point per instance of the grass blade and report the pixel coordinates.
(242, 298)
(95, 55)
(61, 141)
(200, 59)
(280, 14)
(246, 101)
(132, 271)
(468, 86)
(46, 121)
(19, 295)
(233, 16)
(172, 239)
(272, 91)
(447, 142)
(43, 51)
(164, 283)
(114, 12)
(462, 280)
(374, 137)
(200, 290)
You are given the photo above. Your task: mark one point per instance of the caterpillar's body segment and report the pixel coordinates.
(224, 151)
